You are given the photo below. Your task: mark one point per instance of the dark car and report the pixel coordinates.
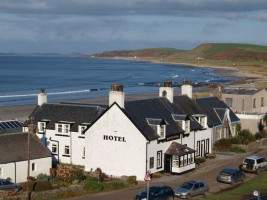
(192, 188)
(7, 185)
(230, 175)
(157, 193)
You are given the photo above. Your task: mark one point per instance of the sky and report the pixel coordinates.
(94, 26)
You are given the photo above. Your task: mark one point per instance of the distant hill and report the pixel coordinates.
(209, 51)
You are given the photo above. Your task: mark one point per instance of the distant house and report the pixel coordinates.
(249, 104)
(221, 119)
(14, 157)
(10, 126)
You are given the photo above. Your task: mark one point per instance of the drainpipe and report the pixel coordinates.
(146, 155)
(57, 147)
(15, 167)
(70, 148)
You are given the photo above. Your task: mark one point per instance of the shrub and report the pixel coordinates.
(157, 175)
(237, 149)
(78, 174)
(113, 186)
(258, 136)
(200, 160)
(93, 186)
(223, 144)
(65, 174)
(9, 179)
(244, 136)
(211, 155)
(131, 180)
(91, 179)
(40, 186)
(234, 140)
(42, 177)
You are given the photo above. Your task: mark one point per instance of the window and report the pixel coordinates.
(254, 103)
(67, 150)
(162, 131)
(83, 153)
(54, 148)
(59, 128)
(151, 162)
(33, 166)
(66, 128)
(180, 123)
(159, 159)
(207, 145)
(218, 134)
(198, 148)
(1, 172)
(181, 161)
(42, 126)
(185, 160)
(82, 128)
(202, 122)
(229, 102)
(175, 161)
(262, 102)
(190, 159)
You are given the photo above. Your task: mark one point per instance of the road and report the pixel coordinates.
(207, 172)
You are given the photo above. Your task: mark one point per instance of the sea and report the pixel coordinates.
(69, 78)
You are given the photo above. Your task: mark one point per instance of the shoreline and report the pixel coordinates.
(244, 79)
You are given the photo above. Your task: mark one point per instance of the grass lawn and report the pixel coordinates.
(258, 183)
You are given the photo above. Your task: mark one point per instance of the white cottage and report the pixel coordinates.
(14, 157)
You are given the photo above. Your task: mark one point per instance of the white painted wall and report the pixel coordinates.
(20, 169)
(116, 158)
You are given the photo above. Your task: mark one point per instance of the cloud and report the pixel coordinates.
(43, 8)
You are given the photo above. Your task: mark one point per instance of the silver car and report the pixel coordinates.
(7, 185)
(230, 175)
(192, 188)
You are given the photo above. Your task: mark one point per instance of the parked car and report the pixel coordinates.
(230, 175)
(7, 185)
(254, 164)
(157, 192)
(192, 188)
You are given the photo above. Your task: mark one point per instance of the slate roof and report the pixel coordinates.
(74, 114)
(189, 107)
(240, 91)
(178, 149)
(215, 109)
(14, 148)
(158, 108)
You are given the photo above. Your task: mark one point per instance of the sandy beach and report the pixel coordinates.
(245, 80)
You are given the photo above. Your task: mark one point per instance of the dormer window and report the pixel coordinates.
(202, 120)
(59, 128)
(66, 128)
(162, 131)
(187, 126)
(82, 128)
(41, 126)
(63, 128)
(159, 125)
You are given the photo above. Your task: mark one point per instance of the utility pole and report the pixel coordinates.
(32, 129)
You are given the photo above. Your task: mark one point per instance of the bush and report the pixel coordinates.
(223, 144)
(200, 160)
(40, 186)
(245, 136)
(93, 186)
(113, 186)
(211, 155)
(258, 136)
(78, 174)
(237, 149)
(91, 179)
(43, 177)
(131, 180)
(157, 175)
(234, 140)
(65, 174)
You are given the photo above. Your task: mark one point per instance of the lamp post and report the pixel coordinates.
(31, 130)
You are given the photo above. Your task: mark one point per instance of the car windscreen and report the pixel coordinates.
(225, 173)
(187, 185)
(249, 161)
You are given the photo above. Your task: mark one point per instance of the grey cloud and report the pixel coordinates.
(131, 7)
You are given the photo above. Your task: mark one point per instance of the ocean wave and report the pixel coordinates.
(52, 93)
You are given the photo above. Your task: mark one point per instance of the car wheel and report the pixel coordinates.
(170, 198)
(189, 196)
(205, 193)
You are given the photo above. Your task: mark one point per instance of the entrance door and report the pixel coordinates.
(202, 151)
(168, 162)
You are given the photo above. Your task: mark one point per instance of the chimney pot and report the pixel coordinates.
(117, 87)
(167, 83)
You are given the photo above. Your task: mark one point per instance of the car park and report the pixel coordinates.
(192, 188)
(230, 175)
(7, 185)
(157, 192)
(254, 164)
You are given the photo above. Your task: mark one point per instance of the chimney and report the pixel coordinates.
(117, 95)
(42, 97)
(187, 88)
(219, 91)
(167, 91)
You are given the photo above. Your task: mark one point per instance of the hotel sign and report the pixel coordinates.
(114, 138)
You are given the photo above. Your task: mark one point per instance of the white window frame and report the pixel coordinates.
(59, 128)
(82, 128)
(66, 128)
(54, 146)
(161, 131)
(42, 126)
(175, 161)
(67, 150)
(187, 126)
(159, 159)
(83, 152)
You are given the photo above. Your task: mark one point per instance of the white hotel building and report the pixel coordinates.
(163, 134)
